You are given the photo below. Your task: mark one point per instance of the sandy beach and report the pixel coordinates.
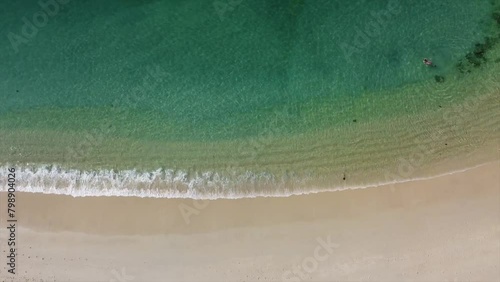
(441, 229)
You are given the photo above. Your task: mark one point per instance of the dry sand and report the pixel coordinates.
(441, 229)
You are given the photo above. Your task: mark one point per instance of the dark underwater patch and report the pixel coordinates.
(477, 57)
(439, 78)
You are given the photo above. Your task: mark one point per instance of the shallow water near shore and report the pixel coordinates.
(248, 98)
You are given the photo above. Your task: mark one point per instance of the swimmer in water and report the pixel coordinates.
(429, 63)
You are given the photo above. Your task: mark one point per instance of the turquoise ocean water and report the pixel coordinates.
(240, 97)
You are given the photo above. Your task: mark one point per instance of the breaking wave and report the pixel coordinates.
(161, 183)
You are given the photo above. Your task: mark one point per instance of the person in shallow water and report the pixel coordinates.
(429, 63)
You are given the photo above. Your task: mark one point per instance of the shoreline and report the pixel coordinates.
(238, 196)
(180, 184)
(178, 215)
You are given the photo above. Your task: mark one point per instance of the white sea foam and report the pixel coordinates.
(51, 179)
